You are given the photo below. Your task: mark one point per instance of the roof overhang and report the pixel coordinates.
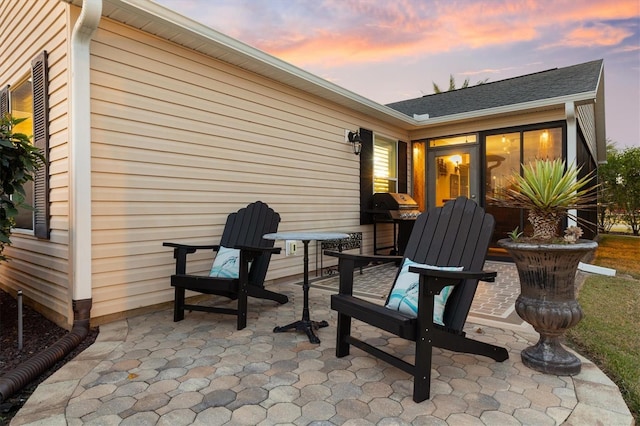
(520, 108)
(170, 25)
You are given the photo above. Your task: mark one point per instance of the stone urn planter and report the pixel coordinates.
(547, 299)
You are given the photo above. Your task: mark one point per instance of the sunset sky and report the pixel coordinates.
(391, 50)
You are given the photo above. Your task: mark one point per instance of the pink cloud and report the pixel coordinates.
(362, 31)
(599, 34)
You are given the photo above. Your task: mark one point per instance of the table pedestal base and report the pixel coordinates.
(304, 325)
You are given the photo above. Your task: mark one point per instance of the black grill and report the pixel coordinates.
(394, 206)
(399, 209)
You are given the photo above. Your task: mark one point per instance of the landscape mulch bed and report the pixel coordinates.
(38, 334)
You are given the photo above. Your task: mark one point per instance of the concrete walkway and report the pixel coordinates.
(149, 370)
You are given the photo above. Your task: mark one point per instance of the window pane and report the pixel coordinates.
(455, 140)
(542, 144)
(419, 173)
(452, 176)
(22, 107)
(502, 161)
(385, 174)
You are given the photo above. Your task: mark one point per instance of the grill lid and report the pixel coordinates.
(393, 201)
(394, 206)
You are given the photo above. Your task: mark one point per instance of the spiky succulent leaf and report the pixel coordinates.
(549, 191)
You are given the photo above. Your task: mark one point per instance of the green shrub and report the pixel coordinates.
(19, 160)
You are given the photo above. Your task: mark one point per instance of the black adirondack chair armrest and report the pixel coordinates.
(488, 276)
(260, 250)
(360, 258)
(437, 280)
(249, 253)
(192, 248)
(347, 262)
(180, 252)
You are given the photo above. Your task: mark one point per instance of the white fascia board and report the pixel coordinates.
(578, 99)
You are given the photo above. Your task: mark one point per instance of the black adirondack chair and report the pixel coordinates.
(456, 234)
(243, 230)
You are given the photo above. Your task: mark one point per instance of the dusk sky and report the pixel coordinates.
(390, 50)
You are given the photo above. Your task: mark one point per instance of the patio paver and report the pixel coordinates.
(150, 370)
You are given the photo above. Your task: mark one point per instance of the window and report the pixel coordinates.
(543, 144)
(454, 140)
(21, 106)
(385, 170)
(29, 98)
(504, 152)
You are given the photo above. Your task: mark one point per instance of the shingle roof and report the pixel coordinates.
(553, 83)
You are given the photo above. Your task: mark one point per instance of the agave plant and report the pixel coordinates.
(549, 192)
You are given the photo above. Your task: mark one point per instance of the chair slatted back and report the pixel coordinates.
(246, 228)
(456, 234)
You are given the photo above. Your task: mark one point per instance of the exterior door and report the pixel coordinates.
(453, 172)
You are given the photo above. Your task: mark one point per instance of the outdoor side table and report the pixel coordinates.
(305, 324)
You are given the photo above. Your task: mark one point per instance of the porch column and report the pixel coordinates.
(572, 147)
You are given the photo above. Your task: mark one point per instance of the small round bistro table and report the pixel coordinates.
(305, 324)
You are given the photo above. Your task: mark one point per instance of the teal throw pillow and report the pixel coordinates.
(404, 295)
(226, 264)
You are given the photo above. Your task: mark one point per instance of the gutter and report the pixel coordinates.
(80, 149)
(593, 269)
(31, 369)
(80, 207)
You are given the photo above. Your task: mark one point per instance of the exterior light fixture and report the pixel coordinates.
(456, 160)
(354, 138)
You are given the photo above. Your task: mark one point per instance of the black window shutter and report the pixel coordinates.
(39, 75)
(366, 175)
(402, 167)
(4, 101)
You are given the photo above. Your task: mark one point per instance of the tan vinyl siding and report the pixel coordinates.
(40, 267)
(181, 140)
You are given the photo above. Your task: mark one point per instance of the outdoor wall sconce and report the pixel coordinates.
(354, 138)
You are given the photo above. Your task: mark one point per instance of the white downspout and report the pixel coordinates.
(80, 150)
(572, 147)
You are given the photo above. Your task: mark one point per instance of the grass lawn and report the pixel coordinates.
(619, 252)
(609, 333)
